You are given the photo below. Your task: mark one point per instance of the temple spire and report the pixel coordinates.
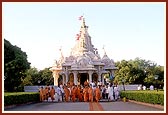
(83, 23)
(83, 40)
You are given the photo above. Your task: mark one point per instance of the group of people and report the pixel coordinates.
(82, 93)
(143, 87)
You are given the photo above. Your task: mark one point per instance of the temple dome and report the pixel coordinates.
(84, 61)
(106, 60)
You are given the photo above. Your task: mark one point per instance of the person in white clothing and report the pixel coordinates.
(58, 94)
(151, 87)
(116, 92)
(144, 87)
(93, 84)
(139, 87)
(110, 95)
(62, 92)
(106, 92)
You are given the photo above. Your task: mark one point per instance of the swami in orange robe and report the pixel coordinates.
(71, 83)
(90, 91)
(73, 93)
(86, 83)
(97, 94)
(52, 93)
(85, 94)
(46, 93)
(67, 94)
(79, 93)
(41, 90)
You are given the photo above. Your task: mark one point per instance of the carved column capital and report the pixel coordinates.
(74, 72)
(90, 72)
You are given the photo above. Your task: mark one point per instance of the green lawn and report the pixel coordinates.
(17, 93)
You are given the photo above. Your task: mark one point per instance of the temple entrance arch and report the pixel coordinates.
(103, 77)
(71, 77)
(95, 77)
(82, 77)
(63, 79)
(60, 80)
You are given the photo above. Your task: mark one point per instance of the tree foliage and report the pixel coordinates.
(46, 77)
(15, 65)
(32, 77)
(35, 77)
(139, 71)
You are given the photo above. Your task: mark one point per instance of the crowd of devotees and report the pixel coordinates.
(89, 92)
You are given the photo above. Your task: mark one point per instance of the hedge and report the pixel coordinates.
(144, 96)
(20, 98)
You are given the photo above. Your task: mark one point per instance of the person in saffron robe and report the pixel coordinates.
(67, 93)
(90, 91)
(73, 93)
(86, 83)
(52, 93)
(79, 93)
(71, 83)
(46, 93)
(97, 94)
(41, 94)
(85, 93)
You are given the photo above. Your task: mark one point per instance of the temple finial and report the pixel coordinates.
(104, 50)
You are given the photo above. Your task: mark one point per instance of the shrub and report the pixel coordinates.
(20, 98)
(144, 96)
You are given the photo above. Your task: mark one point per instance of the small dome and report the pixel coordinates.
(105, 59)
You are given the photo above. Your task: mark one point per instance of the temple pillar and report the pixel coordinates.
(63, 79)
(66, 76)
(56, 76)
(75, 77)
(99, 77)
(102, 79)
(90, 76)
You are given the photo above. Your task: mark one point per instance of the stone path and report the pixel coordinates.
(95, 106)
(83, 106)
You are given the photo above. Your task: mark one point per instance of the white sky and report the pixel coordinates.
(127, 30)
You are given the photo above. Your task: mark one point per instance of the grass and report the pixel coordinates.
(17, 93)
(147, 91)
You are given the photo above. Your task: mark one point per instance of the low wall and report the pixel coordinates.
(128, 87)
(36, 88)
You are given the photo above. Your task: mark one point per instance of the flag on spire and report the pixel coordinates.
(77, 36)
(80, 18)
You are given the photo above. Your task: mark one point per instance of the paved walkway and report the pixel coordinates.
(82, 106)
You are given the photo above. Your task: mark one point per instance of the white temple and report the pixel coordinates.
(84, 62)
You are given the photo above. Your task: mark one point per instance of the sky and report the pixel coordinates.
(126, 30)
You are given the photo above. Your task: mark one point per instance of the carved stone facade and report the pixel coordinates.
(84, 62)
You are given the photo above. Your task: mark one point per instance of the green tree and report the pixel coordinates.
(32, 77)
(138, 71)
(15, 65)
(46, 77)
(35, 77)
